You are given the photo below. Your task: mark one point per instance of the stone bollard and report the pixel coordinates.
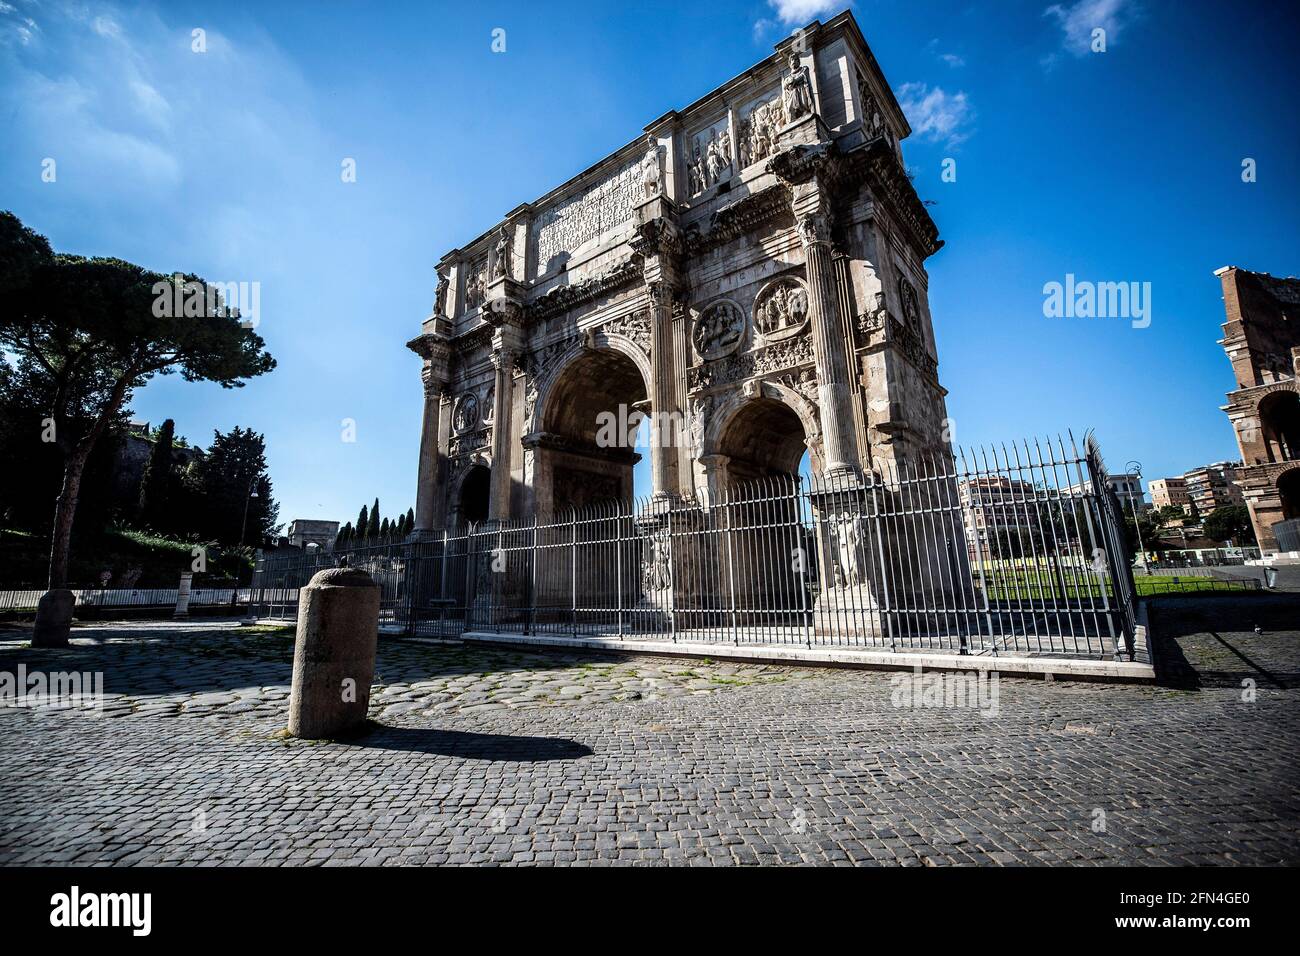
(183, 597)
(53, 618)
(334, 653)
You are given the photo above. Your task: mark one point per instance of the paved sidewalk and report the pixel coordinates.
(513, 756)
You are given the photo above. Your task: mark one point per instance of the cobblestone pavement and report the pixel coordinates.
(486, 755)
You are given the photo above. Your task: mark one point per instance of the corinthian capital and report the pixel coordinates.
(814, 228)
(434, 382)
(660, 293)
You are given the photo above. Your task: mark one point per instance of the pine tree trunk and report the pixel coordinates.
(65, 510)
(74, 463)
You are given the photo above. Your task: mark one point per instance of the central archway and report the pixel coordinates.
(586, 438)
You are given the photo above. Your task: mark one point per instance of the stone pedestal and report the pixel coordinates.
(53, 618)
(334, 653)
(855, 572)
(183, 597)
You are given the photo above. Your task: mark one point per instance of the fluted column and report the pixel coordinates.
(834, 394)
(503, 360)
(429, 491)
(433, 345)
(665, 410)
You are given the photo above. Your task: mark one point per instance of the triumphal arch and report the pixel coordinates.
(751, 267)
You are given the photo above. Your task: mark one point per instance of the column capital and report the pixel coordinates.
(814, 228)
(506, 316)
(435, 349)
(435, 385)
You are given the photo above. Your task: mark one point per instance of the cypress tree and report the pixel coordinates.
(363, 524)
(410, 520)
(373, 531)
(157, 480)
(383, 530)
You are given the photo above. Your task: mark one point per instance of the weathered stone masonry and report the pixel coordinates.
(754, 263)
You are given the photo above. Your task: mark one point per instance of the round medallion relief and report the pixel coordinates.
(465, 415)
(718, 330)
(781, 309)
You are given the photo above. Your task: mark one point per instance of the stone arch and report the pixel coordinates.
(573, 463)
(719, 438)
(1287, 485)
(593, 341)
(1278, 412)
(477, 468)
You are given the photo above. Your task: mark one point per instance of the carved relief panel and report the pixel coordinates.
(476, 284)
(781, 310)
(710, 157)
(719, 330)
(760, 123)
(465, 414)
(910, 305)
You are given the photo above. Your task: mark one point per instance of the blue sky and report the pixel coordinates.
(1115, 166)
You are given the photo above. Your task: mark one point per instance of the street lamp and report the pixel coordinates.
(243, 526)
(1134, 470)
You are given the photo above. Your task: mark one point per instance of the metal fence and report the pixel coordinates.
(129, 599)
(1008, 551)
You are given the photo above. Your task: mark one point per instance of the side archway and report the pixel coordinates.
(762, 431)
(469, 491)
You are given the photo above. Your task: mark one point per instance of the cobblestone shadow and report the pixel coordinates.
(504, 748)
(1203, 642)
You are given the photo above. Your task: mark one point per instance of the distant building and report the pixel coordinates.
(1127, 488)
(996, 515)
(1262, 339)
(1214, 486)
(1170, 493)
(308, 532)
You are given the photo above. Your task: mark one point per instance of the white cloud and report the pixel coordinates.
(16, 27)
(936, 115)
(132, 116)
(1078, 20)
(107, 27)
(952, 59)
(800, 12)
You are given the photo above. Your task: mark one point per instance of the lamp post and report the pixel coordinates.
(1134, 470)
(243, 526)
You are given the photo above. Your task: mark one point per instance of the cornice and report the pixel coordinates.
(878, 165)
(565, 297)
(738, 218)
